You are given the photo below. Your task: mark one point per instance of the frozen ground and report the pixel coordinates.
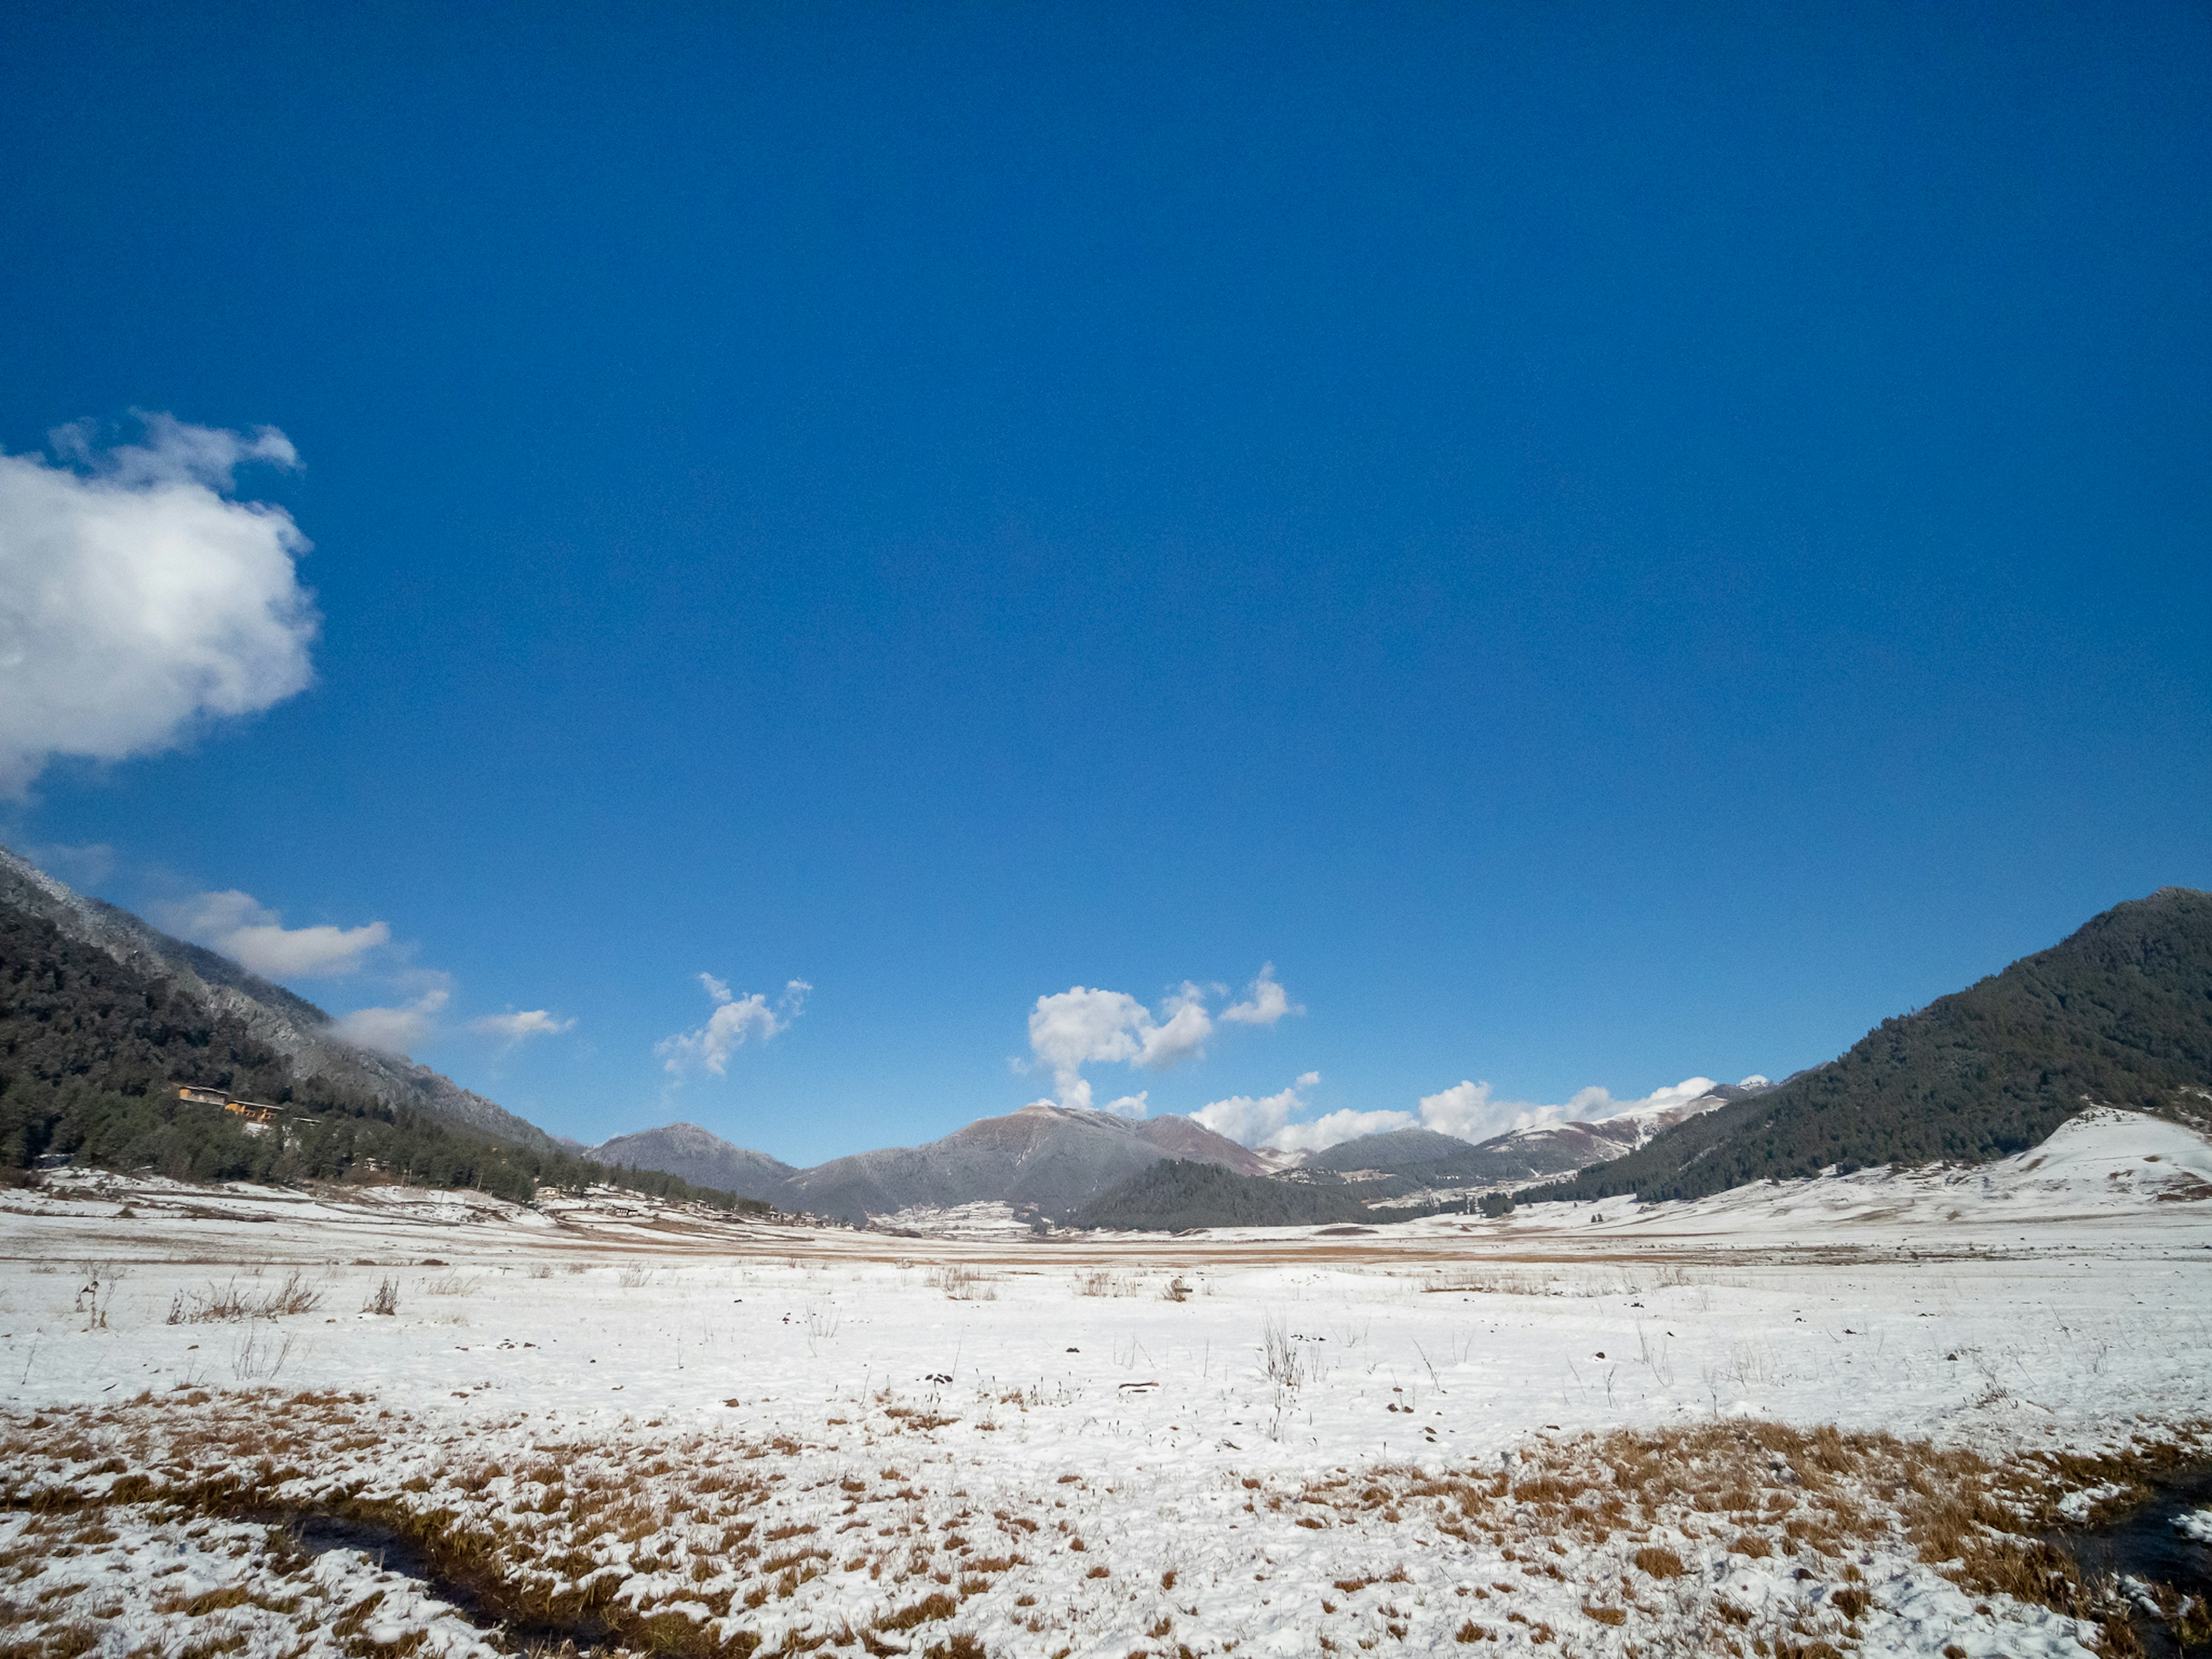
(1583, 1430)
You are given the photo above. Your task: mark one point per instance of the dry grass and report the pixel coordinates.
(221, 1303)
(1626, 1525)
(962, 1282)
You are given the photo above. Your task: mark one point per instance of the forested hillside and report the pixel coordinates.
(1176, 1193)
(2119, 1014)
(91, 1052)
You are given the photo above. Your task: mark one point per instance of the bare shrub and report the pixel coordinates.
(220, 1303)
(295, 1296)
(541, 1270)
(97, 1293)
(384, 1299)
(635, 1276)
(449, 1285)
(257, 1358)
(961, 1282)
(1288, 1366)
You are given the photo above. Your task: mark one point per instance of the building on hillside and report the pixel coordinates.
(252, 1111)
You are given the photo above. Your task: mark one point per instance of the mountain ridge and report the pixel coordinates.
(2119, 1012)
(286, 1021)
(693, 1154)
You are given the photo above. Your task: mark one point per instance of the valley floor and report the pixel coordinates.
(1827, 1418)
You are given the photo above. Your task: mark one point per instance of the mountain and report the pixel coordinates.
(1559, 1148)
(1175, 1194)
(92, 1050)
(2119, 1014)
(700, 1157)
(1391, 1150)
(1402, 1162)
(289, 1024)
(1057, 1157)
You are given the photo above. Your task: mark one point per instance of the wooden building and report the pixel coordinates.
(252, 1110)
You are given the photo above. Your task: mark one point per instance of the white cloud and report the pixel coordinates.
(1331, 1128)
(1249, 1121)
(512, 1029)
(137, 600)
(1076, 1026)
(398, 1030)
(1266, 1121)
(735, 1022)
(1180, 1036)
(1265, 1001)
(256, 938)
(1080, 1026)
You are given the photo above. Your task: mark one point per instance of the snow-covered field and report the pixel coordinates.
(1585, 1430)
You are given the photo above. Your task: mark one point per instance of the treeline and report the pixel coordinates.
(92, 1052)
(2119, 1014)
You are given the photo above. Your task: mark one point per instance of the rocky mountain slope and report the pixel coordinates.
(2119, 1014)
(700, 1157)
(289, 1024)
(1051, 1157)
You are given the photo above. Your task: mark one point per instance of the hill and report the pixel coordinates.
(700, 1157)
(2119, 1014)
(1057, 1157)
(92, 1049)
(1394, 1150)
(1176, 1193)
(289, 1026)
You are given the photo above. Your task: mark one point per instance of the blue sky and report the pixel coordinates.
(1605, 544)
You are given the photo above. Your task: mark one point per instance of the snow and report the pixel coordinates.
(983, 1219)
(1113, 1389)
(2197, 1525)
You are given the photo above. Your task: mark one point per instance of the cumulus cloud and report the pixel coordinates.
(1250, 1122)
(256, 938)
(1080, 1026)
(397, 1030)
(735, 1022)
(137, 600)
(1331, 1128)
(1180, 1033)
(1266, 1121)
(1265, 1001)
(514, 1028)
